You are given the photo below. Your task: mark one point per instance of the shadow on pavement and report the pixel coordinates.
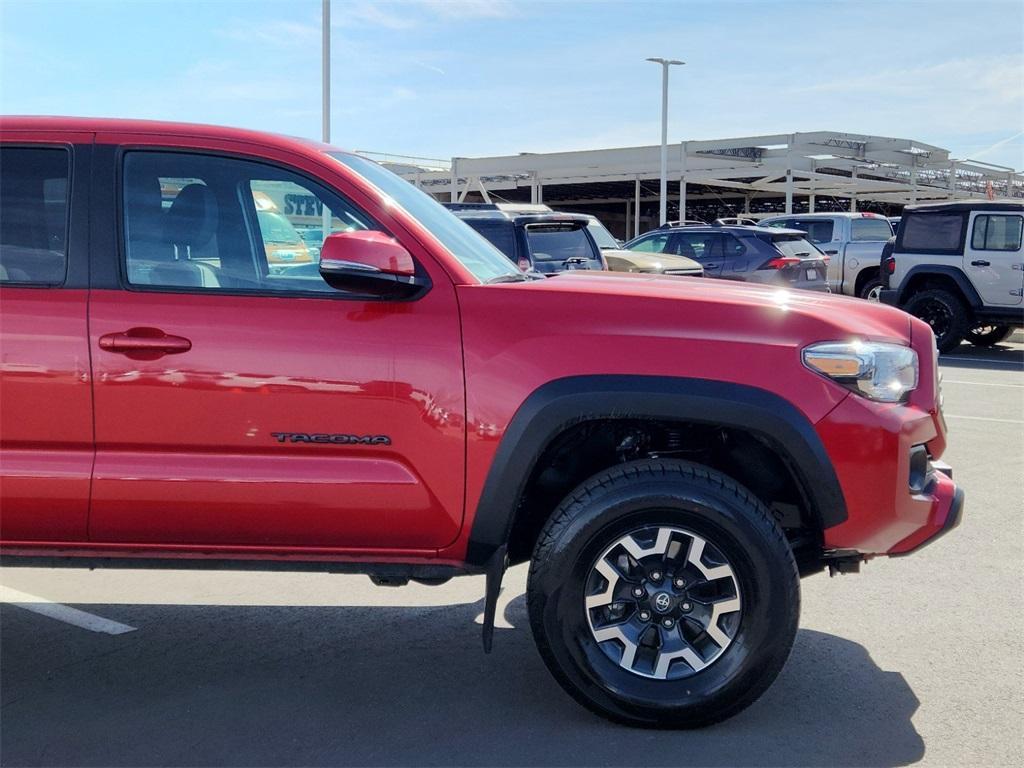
(239, 685)
(1001, 357)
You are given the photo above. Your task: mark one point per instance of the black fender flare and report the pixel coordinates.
(563, 403)
(954, 273)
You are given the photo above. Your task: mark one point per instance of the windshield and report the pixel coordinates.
(477, 255)
(602, 236)
(558, 243)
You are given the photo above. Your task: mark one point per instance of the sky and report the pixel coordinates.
(439, 78)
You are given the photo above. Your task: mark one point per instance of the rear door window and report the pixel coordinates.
(994, 232)
(34, 188)
(872, 230)
(932, 232)
(700, 246)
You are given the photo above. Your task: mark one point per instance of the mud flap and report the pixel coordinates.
(495, 571)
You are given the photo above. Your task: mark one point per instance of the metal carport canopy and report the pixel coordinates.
(846, 165)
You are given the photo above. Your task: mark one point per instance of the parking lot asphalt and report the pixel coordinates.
(914, 660)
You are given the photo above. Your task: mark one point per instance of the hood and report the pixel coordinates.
(638, 261)
(728, 306)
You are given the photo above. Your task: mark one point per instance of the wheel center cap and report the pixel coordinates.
(662, 602)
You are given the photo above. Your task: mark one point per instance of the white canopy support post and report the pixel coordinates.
(626, 230)
(951, 181)
(682, 183)
(853, 192)
(789, 173)
(455, 180)
(465, 190)
(540, 190)
(810, 197)
(746, 203)
(913, 183)
(636, 208)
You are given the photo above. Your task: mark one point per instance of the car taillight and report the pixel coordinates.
(524, 264)
(780, 262)
(890, 265)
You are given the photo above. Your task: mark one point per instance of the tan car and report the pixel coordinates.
(620, 260)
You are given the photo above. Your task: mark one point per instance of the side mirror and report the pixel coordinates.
(369, 263)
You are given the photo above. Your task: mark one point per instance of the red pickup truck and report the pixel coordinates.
(670, 454)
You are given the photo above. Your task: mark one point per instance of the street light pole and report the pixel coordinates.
(326, 71)
(325, 214)
(663, 190)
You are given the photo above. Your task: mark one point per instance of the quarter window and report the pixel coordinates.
(997, 233)
(221, 224)
(931, 232)
(34, 215)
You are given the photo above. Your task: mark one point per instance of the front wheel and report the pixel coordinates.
(663, 594)
(988, 335)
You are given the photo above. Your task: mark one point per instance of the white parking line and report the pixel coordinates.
(980, 383)
(984, 418)
(68, 615)
(1014, 363)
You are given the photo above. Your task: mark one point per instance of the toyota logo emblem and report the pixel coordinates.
(662, 602)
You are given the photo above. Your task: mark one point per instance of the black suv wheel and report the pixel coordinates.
(988, 335)
(944, 312)
(663, 594)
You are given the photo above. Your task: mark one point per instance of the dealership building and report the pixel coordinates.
(782, 173)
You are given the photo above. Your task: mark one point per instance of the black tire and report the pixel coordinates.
(988, 335)
(873, 285)
(641, 496)
(945, 313)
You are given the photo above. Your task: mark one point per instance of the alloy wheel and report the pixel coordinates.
(663, 603)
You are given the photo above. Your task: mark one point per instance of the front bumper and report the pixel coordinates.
(948, 514)
(898, 496)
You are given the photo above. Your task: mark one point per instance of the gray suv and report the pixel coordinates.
(779, 257)
(852, 241)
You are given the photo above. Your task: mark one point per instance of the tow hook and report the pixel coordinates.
(844, 562)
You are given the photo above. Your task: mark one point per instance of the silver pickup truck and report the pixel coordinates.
(852, 241)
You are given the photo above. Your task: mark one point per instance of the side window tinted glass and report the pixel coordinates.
(935, 232)
(499, 233)
(654, 244)
(213, 223)
(870, 229)
(732, 247)
(34, 215)
(699, 246)
(997, 233)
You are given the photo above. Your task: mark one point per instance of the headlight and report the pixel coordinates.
(874, 369)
